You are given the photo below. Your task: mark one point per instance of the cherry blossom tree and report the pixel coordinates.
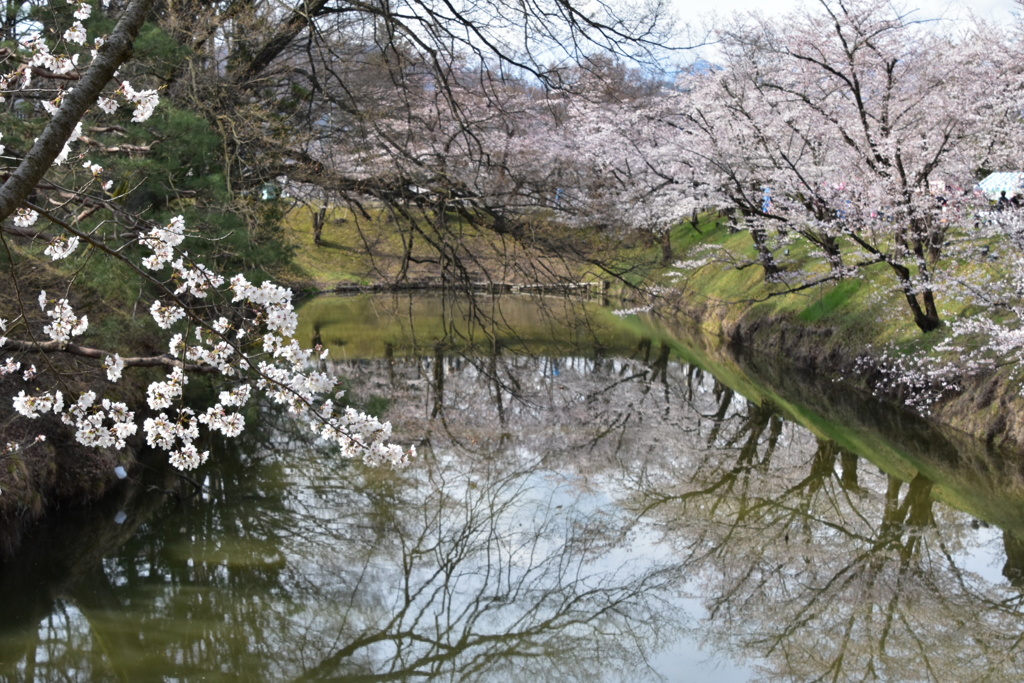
(637, 179)
(285, 86)
(853, 128)
(204, 340)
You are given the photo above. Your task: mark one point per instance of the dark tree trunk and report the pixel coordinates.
(115, 51)
(764, 254)
(926, 318)
(318, 225)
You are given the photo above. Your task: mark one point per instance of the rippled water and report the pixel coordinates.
(605, 509)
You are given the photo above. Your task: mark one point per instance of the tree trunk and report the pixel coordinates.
(667, 255)
(115, 51)
(318, 225)
(832, 253)
(764, 254)
(927, 318)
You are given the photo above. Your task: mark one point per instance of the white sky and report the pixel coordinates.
(995, 9)
(694, 11)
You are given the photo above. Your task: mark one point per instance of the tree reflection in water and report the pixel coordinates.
(810, 561)
(309, 569)
(566, 509)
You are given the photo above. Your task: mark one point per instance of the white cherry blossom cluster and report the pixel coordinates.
(104, 425)
(162, 241)
(254, 346)
(76, 33)
(61, 247)
(219, 419)
(33, 406)
(64, 323)
(115, 366)
(107, 105)
(162, 395)
(357, 434)
(166, 315)
(978, 344)
(165, 433)
(24, 218)
(83, 10)
(272, 303)
(212, 350)
(196, 279)
(286, 373)
(107, 424)
(10, 367)
(917, 381)
(145, 101)
(42, 57)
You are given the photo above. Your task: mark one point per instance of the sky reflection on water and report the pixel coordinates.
(613, 514)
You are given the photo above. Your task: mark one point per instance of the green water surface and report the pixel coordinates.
(593, 501)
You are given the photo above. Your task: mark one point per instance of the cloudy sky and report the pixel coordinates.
(997, 9)
(697, 10)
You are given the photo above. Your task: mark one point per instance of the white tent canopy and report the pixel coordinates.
(1010, 182)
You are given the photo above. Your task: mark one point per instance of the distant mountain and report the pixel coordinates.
(700, 68)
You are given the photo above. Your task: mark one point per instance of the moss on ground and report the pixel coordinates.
(375, 246)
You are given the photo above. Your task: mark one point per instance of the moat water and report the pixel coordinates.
(594, 500)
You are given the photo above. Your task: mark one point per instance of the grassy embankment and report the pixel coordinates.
(360, 250)
(847, 316)
(825, 328)
(828, 327)
(857, 312)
